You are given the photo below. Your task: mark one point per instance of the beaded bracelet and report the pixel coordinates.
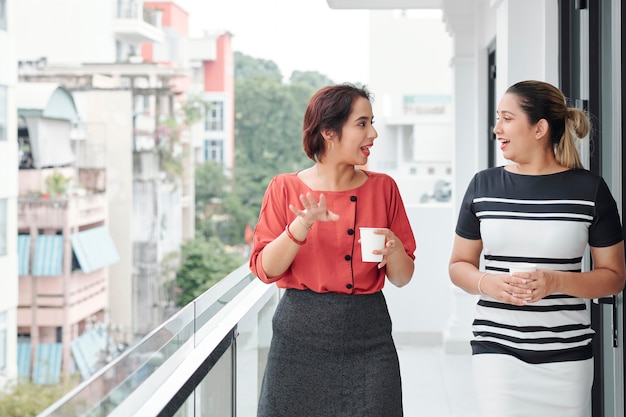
(293, 239)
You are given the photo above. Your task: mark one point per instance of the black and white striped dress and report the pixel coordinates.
(536, 359)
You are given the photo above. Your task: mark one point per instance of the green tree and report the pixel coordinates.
(194, 108)
(204, 263)
(313, 79)
(210, 184)
(228, 221)
(247, 67)
(27, 399)
(268, 136)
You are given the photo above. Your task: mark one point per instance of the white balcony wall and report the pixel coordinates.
(203, 49)
(420, 310)
(175, 48)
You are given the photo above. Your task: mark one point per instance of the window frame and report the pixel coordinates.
(4, 238)
(3, 15)
(214, 117)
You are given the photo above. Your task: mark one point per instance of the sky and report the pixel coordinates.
(303, 35)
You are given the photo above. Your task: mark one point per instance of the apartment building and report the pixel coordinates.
(129, 77)
(124, 102)
(8, 195)
(64, 244)
(213, 79)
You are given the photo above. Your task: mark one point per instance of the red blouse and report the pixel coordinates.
(330, 260)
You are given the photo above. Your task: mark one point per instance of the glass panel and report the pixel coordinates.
(253, 342)
(3, 340)
(211, 302)
(151, 363)
(3, 227)
(214, 396)
(103, 393)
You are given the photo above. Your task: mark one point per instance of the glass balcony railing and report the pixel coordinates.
(207, 360)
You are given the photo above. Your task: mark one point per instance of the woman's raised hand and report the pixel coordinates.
(314, 209)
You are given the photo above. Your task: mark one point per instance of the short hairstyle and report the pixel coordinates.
(328, 109)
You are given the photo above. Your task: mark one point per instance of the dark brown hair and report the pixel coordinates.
(540, 100)
(328, 109)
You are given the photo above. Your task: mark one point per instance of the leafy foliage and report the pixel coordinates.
(210, 184)
(268, 136)
(204, 263)
(311, 78)
(247, 67)
(57, 183)
(168, 146)
(26, 399)
(194, 108)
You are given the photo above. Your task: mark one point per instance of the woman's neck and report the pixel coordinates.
(335, 178)
(535, 168)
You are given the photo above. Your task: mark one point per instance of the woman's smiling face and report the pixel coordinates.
(513, 130)
(358, 133)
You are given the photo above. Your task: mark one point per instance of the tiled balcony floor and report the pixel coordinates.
(436, 384)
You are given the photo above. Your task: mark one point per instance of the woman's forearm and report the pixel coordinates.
(278, 255)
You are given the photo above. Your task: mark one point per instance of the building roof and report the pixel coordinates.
(49, 100)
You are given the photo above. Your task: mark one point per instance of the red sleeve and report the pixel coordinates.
(271, 223)
(399, 222)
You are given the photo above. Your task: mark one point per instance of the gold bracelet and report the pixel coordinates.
(480, 280)
(293, 239)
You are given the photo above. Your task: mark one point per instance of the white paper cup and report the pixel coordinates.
(522, 267)
(370, 242)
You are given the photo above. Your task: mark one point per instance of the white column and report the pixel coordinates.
(459, 16)
(523, 52)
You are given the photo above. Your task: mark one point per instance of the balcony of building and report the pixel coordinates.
(57, 212)
(208, 359)
(85, 295)
(55, 198)
(134, 23)
(63, 284)
(64, 249)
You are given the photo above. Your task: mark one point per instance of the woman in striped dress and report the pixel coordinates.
(531, 349)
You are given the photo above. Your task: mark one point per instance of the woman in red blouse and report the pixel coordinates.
(332, 353)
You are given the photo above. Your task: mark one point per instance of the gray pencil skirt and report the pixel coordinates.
(331, 355)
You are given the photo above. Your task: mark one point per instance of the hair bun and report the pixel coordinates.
(579, 122)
